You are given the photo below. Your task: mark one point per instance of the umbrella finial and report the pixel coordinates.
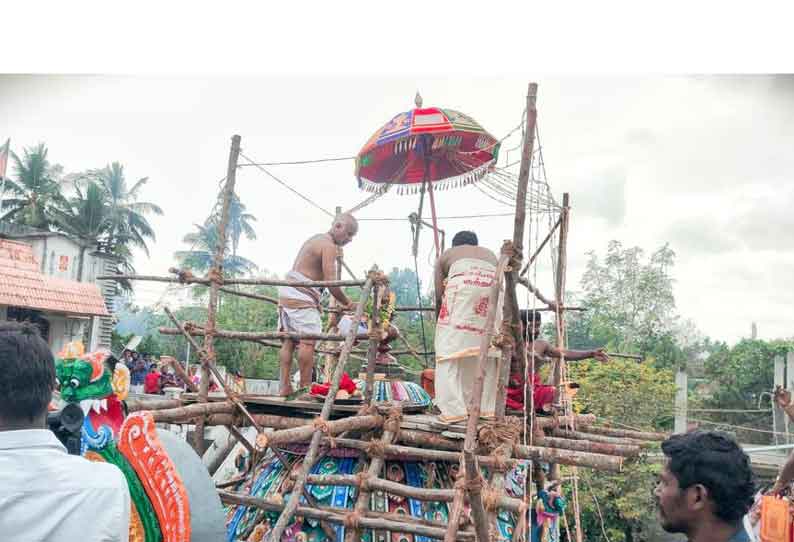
(418, 100)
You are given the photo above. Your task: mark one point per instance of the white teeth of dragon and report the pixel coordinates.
(104, 404)
(96, 406)
(86, 405)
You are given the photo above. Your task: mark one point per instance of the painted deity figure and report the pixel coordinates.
(549, 504)
(160, 508)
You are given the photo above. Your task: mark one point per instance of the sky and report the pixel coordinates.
(704, 163)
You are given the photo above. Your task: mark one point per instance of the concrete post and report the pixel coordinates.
(779, 416)
(680, 401)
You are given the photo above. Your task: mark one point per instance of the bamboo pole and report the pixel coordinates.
(335, 427)
(311, 454)
(242, 440)
(373, 471)
(215, 277)
(250, 295)
(374, 343)
(180, 371)
(535, 453)
(250, 282)
(548, 422)
(550, 305)
(512, 338)
(421, 439)
(511, 313)
(424, 439)
(402, 490)
(540, 247)
(559, 297)
(474, 486)
(406, 524)
(470, 443)
(256, 337)
(579, 435)
(135, 404)
(624, 433)
(624, 450)
(209, 361)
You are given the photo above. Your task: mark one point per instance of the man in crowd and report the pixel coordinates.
(464, 275)
(138, 371)
(543, 352)
(299, 307)
(705, 488)
(152, 383)
(46, 494)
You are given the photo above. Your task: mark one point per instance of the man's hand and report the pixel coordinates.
(599, 355)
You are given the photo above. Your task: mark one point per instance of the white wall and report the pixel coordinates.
(59, 256)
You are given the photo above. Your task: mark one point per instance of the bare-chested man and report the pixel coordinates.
(544, 352)
(299, 308)
(463, 278)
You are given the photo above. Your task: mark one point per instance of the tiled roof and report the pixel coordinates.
(23, 285)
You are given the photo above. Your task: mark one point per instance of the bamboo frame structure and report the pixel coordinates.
(391, 433)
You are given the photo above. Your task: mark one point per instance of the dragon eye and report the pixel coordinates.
(74, 383)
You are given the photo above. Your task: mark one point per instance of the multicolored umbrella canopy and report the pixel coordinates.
(442, 146)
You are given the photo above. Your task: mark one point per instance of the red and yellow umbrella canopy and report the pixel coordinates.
(441, 146)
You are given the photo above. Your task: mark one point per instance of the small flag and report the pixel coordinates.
(4, 152)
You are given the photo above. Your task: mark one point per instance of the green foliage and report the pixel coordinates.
(735, 378)
(35, 194)
(630, 304)
(628, 394)
(120, 223)
(201, 255)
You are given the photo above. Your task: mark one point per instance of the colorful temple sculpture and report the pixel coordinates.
(167, 481)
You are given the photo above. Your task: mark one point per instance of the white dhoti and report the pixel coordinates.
(459, 332)
(299, 307)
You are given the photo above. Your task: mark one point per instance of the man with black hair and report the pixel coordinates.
(705, 488)
(463, 278)
(543, 352)
(46, 494)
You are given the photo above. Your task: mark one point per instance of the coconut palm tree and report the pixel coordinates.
(36, 192)
(200, 256)
(85, 217)
(126, 215)
(239, 223)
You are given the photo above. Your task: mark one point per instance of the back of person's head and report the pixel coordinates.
(716, 462)
(465, 238)
(27, 374)
(529, 317)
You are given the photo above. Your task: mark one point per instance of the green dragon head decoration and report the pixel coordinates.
(82, 376)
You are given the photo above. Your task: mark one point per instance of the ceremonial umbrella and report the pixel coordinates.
(426, 148)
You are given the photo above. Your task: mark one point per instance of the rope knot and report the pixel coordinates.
(375, 448)
(363, 478)
(392, 423)
(321, 425)
(352, 519)
(262, 441)
(490, 498)
(515, 255)
(215, 276)
(182, 275)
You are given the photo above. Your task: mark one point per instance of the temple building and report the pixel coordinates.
(49, 278)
